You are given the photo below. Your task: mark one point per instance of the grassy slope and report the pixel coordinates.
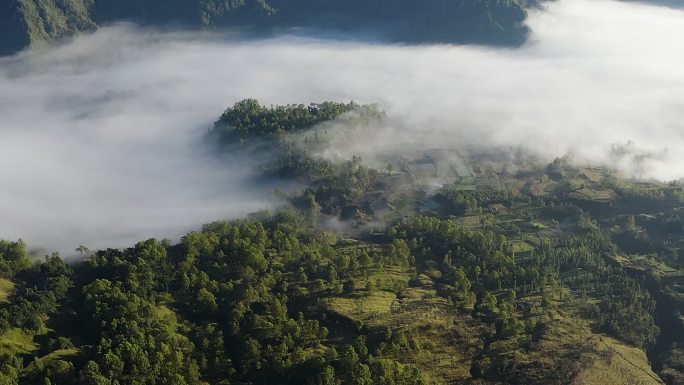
(6, 288)
(599, 360)
(448, 339)
(17, 341)
(57, 355)
(614, 363)
(377, 304)
(445, 337)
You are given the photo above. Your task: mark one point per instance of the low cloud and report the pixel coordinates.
(100, 137)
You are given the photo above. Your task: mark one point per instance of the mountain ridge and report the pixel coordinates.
(30, 23)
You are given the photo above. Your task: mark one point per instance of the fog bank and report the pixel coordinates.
(100, 136)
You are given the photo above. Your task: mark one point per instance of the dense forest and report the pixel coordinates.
(366, 275)
(32, 22)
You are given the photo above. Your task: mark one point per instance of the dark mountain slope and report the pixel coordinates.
(26, 23)
(13, 29)
(30, 22)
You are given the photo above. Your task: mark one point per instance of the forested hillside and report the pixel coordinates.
(33, 22)
(558, 275)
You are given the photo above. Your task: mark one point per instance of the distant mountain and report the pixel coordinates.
(25, 23)
(664, 3)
